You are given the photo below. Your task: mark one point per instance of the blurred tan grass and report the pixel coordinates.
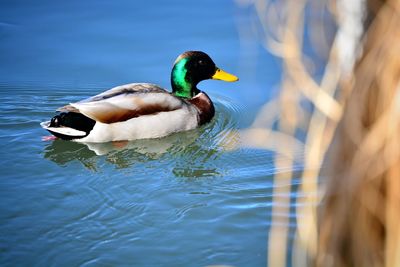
(353, 128)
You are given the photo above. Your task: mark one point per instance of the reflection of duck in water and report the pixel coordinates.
(120, 153)
(149, 147)
(187, 154)
(142, 110)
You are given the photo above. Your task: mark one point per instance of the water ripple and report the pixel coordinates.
(99, 197)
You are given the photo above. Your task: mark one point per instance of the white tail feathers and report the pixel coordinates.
(63, 130)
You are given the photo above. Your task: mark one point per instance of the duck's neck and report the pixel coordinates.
(182, 85)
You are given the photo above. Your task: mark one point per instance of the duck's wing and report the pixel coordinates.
(125, 102)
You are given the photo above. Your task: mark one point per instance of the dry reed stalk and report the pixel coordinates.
(359, 218)
(298, 86)
(281, 191)
(358, 222)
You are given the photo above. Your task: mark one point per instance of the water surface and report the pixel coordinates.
(183, 200)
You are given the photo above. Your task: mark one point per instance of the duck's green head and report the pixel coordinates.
(192, 67)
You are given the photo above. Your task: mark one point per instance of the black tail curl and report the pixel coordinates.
(73, 120)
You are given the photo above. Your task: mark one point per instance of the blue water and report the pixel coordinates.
(183, 200)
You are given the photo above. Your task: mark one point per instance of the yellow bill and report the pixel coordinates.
(224, 76)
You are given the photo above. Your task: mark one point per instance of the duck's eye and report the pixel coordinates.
(201, 62)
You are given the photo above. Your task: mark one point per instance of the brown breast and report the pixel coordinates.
(206, 108)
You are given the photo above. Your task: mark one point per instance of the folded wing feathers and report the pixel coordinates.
(122, 106)
(132, 88)
(68, 108)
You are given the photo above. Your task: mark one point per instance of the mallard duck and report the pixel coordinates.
(143, 110)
